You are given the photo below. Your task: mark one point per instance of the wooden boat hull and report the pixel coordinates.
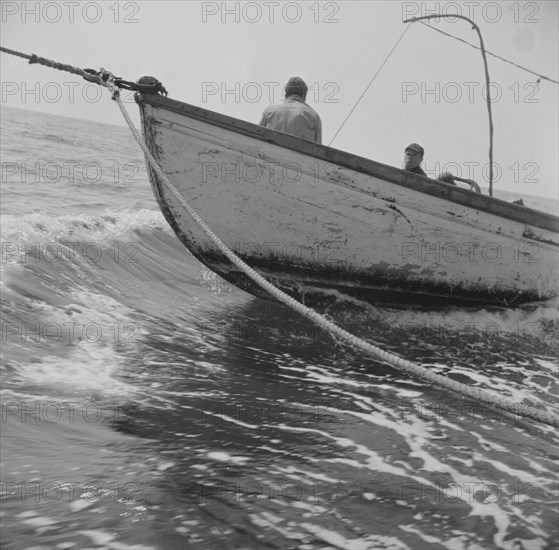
(316, 221)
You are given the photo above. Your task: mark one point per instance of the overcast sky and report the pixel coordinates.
(235, 57)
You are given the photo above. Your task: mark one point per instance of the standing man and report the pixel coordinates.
(413, 157)
(292, 115)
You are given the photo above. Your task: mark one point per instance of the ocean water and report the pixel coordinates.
(148, 405)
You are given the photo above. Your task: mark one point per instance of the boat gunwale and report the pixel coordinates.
(422, 184)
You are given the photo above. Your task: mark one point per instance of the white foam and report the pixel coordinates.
(88, 361)
(226, 457)
(44, 228)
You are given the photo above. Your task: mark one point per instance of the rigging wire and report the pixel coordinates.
(540, 76)
(369, 85)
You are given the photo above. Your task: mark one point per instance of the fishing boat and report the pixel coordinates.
(319, 222)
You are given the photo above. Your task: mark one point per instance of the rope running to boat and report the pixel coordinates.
(97, 77)
(547, 417)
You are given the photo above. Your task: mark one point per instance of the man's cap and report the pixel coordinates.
(415, 147)
(296, 85)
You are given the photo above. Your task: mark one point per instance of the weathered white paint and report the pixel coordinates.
(283, 208)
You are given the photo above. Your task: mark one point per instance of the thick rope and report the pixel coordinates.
(323, 322)
(47, 62)
(110, 82)
(97, 77)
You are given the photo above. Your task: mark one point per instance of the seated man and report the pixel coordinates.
(413, 157)
(448, 177)
(293, 116)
